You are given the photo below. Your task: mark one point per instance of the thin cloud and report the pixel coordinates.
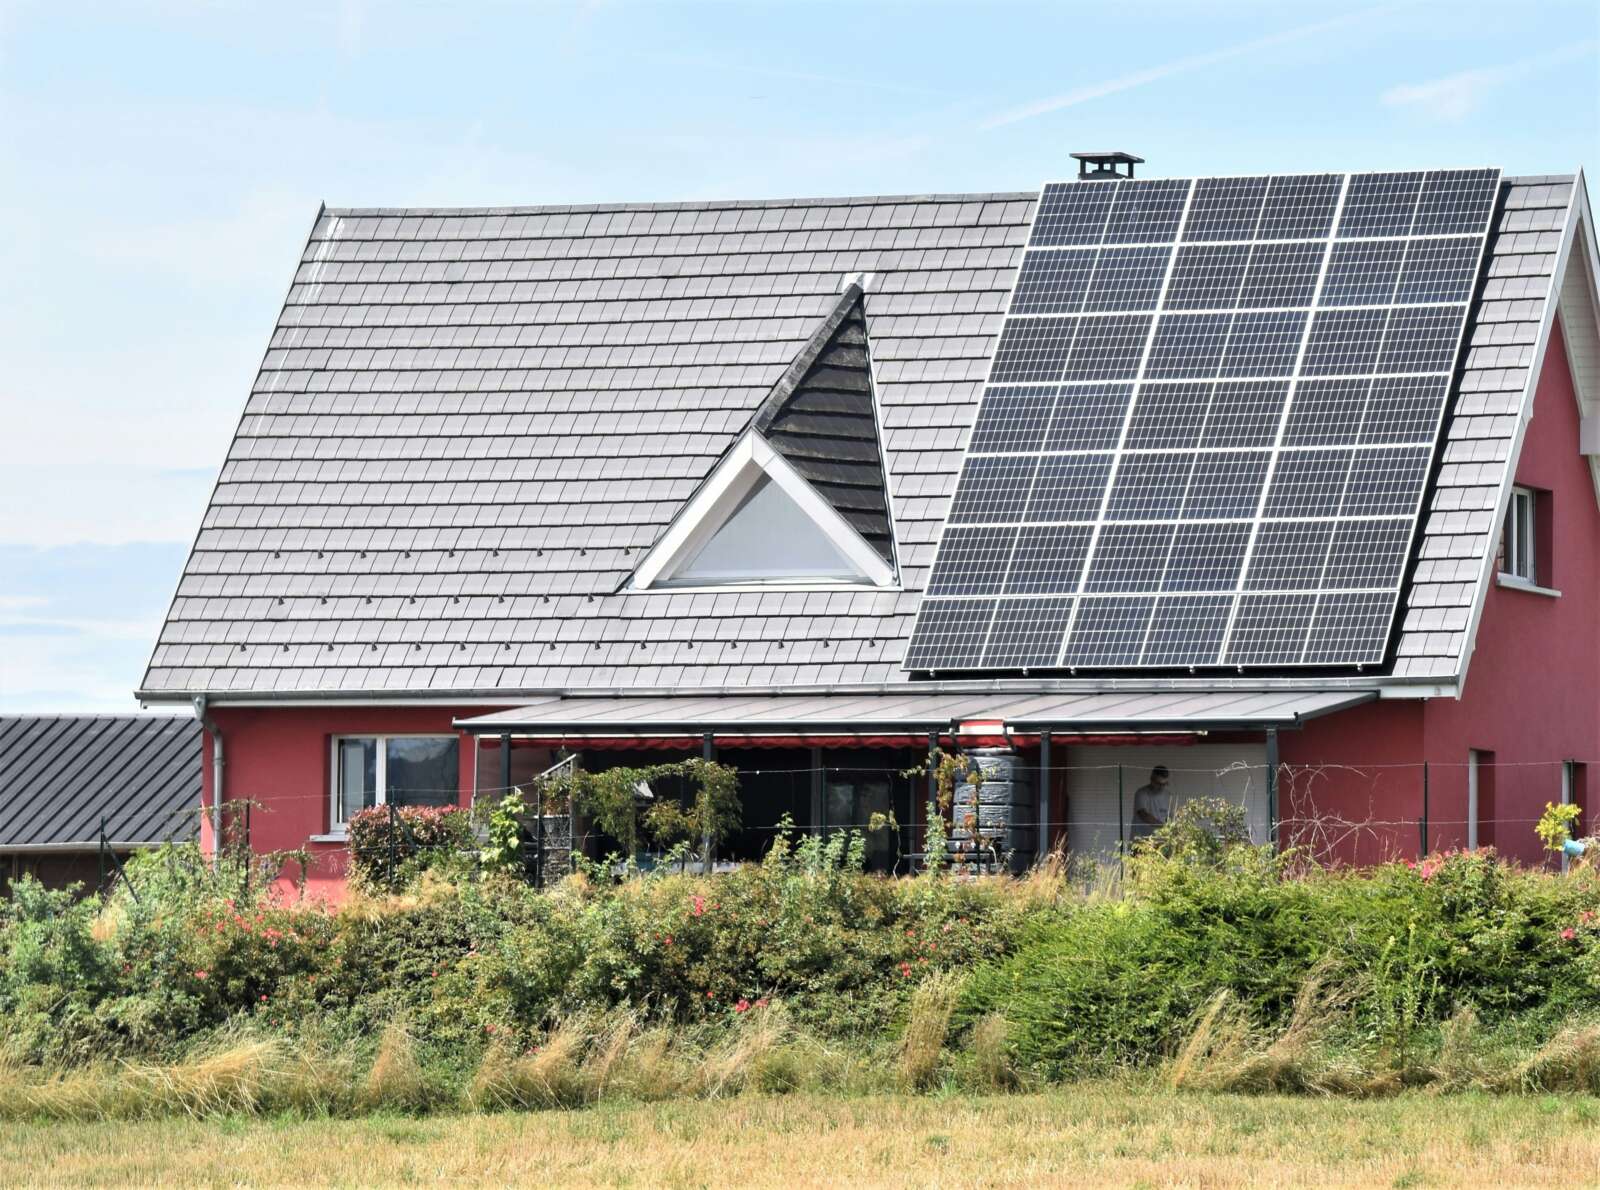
(1152, 74)
(1456, 96)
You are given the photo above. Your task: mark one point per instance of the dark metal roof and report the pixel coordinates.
(60, 774)
(872, 714)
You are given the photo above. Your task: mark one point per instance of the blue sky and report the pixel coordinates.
(161, 164)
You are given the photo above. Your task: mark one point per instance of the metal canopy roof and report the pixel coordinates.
(828, 714)
(61, 776)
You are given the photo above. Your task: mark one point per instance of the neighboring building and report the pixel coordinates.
(1219, 483)
(77, 789)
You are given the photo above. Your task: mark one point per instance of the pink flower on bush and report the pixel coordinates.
(762, 1003)
(699, 905)
(1568, 934)
(669, 939)
(199, 974)
(742, 1006)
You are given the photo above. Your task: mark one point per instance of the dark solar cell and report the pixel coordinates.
(1349, 629)
(1129, 558)
(1404, 409)
(1088, 416)
(1149, 487)
(1108, 347)
(1047, 558)
(1307, 483)
(1225, 209)
(1439, 270)
(1263, 344)
(1187, 630)
(1108, 631)
(1207, 276)
(1032, 349)
(1225, 484)
(1299, 207)
(1281, 275)
(1187, 346)
(1052, 282)
(1456, 200)
(1289, 555)
(1421, 339)
(1385, 481)
(1363, 273)
(1380, 204)
(1326, 413)
(1069, 488)
(1126, 279)
(992, 489)
(1344, 343)
(1368, 553)
(1270, 629)
(971, 561)
(1244, 413)
(1027, 633)
(1012, 419)
(950, 633)
(1146, 212)
(1071, 213)
(1206, 557)
(1168, 415)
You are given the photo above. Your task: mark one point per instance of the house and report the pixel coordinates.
(1287, 483)
(80, 793)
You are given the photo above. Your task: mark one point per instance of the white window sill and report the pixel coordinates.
(331, 837)
(1512, 583)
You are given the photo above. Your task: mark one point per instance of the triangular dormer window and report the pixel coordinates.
(800, 498)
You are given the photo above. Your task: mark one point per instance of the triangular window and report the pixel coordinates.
(756, 520)
(768, 538)
(800, 497)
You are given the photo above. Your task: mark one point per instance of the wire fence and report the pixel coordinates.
(1332, 814)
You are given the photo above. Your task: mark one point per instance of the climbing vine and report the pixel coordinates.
(614, 798)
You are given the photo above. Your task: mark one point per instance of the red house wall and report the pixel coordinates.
(1532, 696)
(280, 758)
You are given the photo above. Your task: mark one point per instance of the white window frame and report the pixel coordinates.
(1519, 549)
(338, 828)
(752, 459)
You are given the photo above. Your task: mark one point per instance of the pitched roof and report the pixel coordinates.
(471, 424)
(60, 775)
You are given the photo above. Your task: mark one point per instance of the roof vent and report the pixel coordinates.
(1103, 167)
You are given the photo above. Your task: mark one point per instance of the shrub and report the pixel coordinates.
(391, 845)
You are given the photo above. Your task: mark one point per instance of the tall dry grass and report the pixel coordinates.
(932, 1004)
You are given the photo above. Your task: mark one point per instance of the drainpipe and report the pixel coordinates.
(210, 726)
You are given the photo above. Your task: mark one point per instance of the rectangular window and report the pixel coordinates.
(398, 770)
(1519, 542)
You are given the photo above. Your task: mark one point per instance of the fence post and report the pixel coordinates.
(1122, 841)
(1042, 847)
(1424, 850)
(101, 887)
(392, 830)
(708, 753)
(1272, 786)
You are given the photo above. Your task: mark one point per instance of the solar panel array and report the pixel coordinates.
(1208, 423)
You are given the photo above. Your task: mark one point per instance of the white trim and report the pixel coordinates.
(746, 463)
(1512, 583)
(1577, 213)
(336, 826)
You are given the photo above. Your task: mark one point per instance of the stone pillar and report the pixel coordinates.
(1005, 803)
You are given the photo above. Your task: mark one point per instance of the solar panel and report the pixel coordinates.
(1208, 423)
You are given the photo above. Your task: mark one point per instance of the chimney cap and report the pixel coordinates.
(1105, 163)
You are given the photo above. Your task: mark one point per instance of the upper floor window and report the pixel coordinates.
(1522, 539)
(401, 770)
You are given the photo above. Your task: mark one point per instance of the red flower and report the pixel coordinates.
(1568, 934)
(709, 996)
(699, 905)
(199, 974)
(263, 997)
(742, 1006)
(761, 1003)
(669, 939)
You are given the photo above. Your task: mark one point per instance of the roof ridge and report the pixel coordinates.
(710, 204)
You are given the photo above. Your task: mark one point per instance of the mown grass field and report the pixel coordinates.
(1089, 1135)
